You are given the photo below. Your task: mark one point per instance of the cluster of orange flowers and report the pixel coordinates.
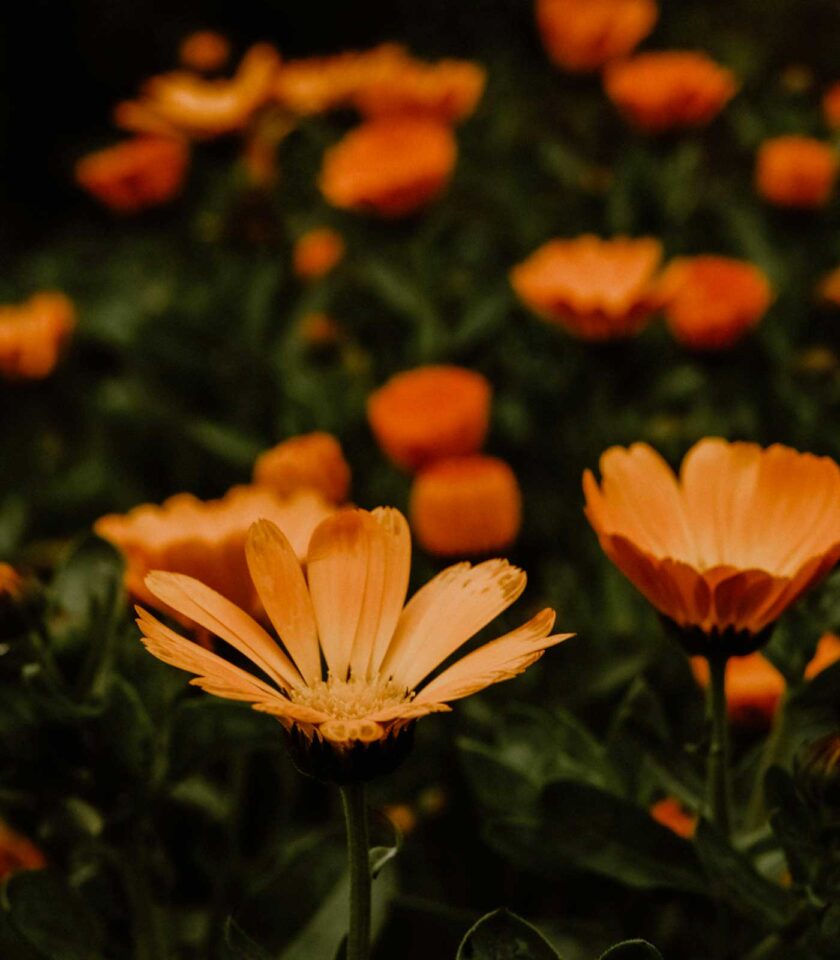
(32, 335)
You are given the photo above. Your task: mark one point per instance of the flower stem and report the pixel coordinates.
(756, 809)
(718, 786)
(355, 814)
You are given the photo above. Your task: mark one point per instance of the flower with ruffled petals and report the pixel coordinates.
(672, 814)
(310, 461)
(796, 172)
(33, 333)
(669, 90)
(464, 506)
(723, 550)
(583, 35)
(204, 51)
(317, 252)
(391, 166)
(17, 853)
(595, 289)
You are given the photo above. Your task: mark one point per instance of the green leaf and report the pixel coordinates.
(632, 950)
(87, 590)
(240, 946)
(502, 935)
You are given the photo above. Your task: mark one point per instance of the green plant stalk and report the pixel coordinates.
(358, 846)
(756, 809)
(718, 787)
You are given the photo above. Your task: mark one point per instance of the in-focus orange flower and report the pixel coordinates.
(206, 539)
(583, 35)
(10, 581)
(465, 506)
(430, 412)
(831, 106)
(711, 302)
(391, 166)
(754, 688)
(672, 814)
(668, 90)
(349, 610)
(726, 548)
(317, 252)
(595, 289)
(312, 461)
(135, 174)
(204, 51)
(17, 853)
(794, 171)
(33, 333)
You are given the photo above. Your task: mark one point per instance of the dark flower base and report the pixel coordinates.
(717, 643)
(358, 763)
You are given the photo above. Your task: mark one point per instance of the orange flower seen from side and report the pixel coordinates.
(391, 166)
(204, 51)
(796, 172)
(317, 252)
(465, 506)
(831, 106)
(594, 289)
(712, 302)
(725, 548)
(17, 853)
(673, 815)
(669, 90)
(349, 611)
(10, 581)
(826, 655)
(430, 412)
(33, 333)
(310, 461)
(135, 174)
(584, 35)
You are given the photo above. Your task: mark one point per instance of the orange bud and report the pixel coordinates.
(310, 461)
(317, 252)
(797, 172)
(204, 50)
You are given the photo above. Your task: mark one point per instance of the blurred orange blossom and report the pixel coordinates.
(204, 51)
(33, 333)
(672, 814)
(795, 171)
(17, 852)
(317, 252)
(311, 460)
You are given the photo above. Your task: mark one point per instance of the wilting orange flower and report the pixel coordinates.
(725, 549)
(135, 174)
(17, 853)
(317, 252)
(204, 51)
(430, 412)
(595, 289)
(669, 90)
(673, 815)
(33, 333)
(10, 581)
(712, 302)
(583, 35)
(463, 506)
(795, 171)
(310, 461)
(192, 106)
(206, 539)
(831, 106)
(349, 609)
(391, 166)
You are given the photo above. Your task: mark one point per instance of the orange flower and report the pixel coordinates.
(712, 302)
(831, 106)
(204, 51)
(17, 853)
(754, 688)
(317, 252)
(390, 166)
(669, 90)
(796, 171)
(826, 655)
(595, 289)
(311, 461)
(829, 288)
(725, 549)
(430, 412)
(463, 506)
(135, 174)
(348, 610)
(10, 581)
(673, 815)
(206, 539)
(583, 35)
(33, 333)
(319, 330)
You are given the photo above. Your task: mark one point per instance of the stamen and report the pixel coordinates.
(351, 699)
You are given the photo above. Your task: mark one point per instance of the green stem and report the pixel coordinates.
(718, 787)
(755, 810)
(358, 846)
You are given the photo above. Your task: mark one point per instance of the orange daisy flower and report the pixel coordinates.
(348, 612)
(583, 35)
(797, 172)
(673, 815)
(669, 90)
(391, 166)
(33, 333)
(726, 548)
(135, 174)
(464, 506)
(430, 412)
(204, 51)
(311, 460)
(831, 106)
(712, 302)
(317, 252)
(595, 289)
(17, 853)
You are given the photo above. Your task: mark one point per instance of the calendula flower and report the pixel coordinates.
(595, 289)
(673, 815)
(33, 333)
(310, 461)
(10, 581)
(712, 302)
(204, 51)
(829, 288)
(17, 853)
(669, 90)
(831, 106)
(583, 35)
(391, 166)
(317, 252)
(464, 506)
(143, 172)
(352, 663)
(430, 412)
(723, 550)
(796, 172)
(319, 330)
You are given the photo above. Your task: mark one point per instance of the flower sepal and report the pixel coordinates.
(716, 643)
(356, 761)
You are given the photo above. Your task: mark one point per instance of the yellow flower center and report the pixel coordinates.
(353, 699)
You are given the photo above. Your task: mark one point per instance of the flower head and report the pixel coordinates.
(672, 814)
(430, 412)
(391, 166)
(33, 333)
(595, 289)
(797, 172)
(204, 51)
(311, 460)
(669, 90)
(723, 550)
(584, 35)
(10, 581)
(316, 252)
(831, 106)
(17, 853)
